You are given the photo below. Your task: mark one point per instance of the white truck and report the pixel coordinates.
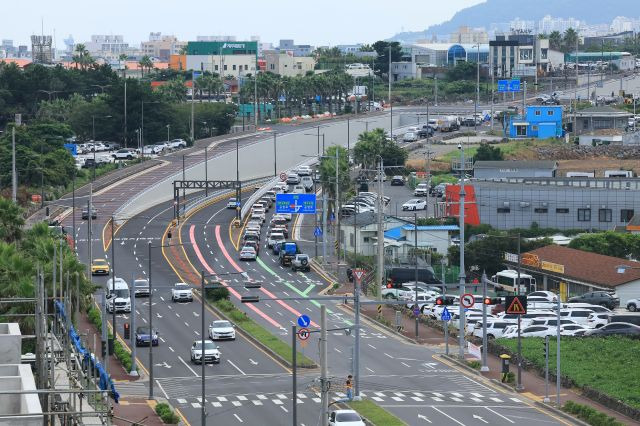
(448, 123)
(119, 297)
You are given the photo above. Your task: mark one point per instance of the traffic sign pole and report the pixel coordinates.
(294, 379)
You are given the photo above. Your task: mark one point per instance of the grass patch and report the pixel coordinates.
(375, 414)
(522, 149)
(261, 334)
(608, 364)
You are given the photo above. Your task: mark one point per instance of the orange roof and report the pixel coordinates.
(134, 65)
(21, 62)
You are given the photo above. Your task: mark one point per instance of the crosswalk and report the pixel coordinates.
(391, 397)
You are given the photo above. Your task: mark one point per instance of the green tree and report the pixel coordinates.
(375, 143)
(328, 172)
(173, 91)
(570, 40)
(486, 152)
(609, 243)
(462, 71)
(11, 221)
(555, 40)
(382, 61)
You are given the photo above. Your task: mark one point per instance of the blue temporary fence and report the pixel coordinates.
(88, 359)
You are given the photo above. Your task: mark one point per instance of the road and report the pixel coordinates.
(249, 386)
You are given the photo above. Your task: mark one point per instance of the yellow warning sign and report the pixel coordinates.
(516, 305)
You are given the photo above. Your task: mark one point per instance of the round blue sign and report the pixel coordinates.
(304, 321)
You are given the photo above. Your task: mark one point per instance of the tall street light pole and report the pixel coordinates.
(475, 107)
(462, 276)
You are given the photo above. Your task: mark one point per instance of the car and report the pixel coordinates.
(548, 295)
(425, 131)
(299, 189)
(633, 304)
(222, 329)
(85, 213)
(248, 253)
(399, 293)
(100, 267)
(124, 154)
(286, 216)
(422, 190)
(301, 262)
(573, 330)
(397, 180)
(258, 216)
(307, 182)
(177, 143)
(141, 287)
(597, 320)
(578, 315)
(181, 292)
(345, 418)
(211, 352)
(614, 328)
(495, 329)
(119, 297)
(150, 150)
(281, 229)
(602, 298)
(410, 137)
(533, 331)
(275, 238)
(293, 179)
(425, 301)
(253, 226)
(232, 203)
(144, 337)
(552, 322)
(266, 202)
(271, 194)
(414, 204)
(587, 306)
(254, 244)
(304, 171)
(282, 186)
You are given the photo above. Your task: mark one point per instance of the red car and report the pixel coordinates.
(253, 244)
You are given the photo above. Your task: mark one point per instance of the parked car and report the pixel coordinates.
(410, 137)
(177, 144)
(211, 352)
(633, 304)
(603, 298)
(422, 190)
(614, 328)
(597, 320)
(533, 331)
(181, 292)
(124, 154)
(397, 180)
(578, 315)
(414, 204)
(222, 329)
(573, 330)
(548, 295)
(495, 329)
(301, 262)
(400, 293)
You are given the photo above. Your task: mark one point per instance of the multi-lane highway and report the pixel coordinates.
(249, 386)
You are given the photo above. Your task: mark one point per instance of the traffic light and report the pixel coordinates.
(249, 299)
(127, 331)
(46, 209)
(545, 348)
(444, 301)
(492, 301)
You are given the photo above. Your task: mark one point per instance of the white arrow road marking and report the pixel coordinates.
(239, 419)
(195, 314)
(429, 364)
(158, 315)
(252, 362)
(420, 416)
(387, 355)
(171, 349)
(475, 416)
(162, 340)
(236, 367)
(164, 364)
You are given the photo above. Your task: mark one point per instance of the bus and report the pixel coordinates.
(505, 281)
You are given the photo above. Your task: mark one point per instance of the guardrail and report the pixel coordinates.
(263, 190)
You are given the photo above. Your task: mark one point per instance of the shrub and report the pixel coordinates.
(95, 317)
(216, 294)
(511, 377)
(225, 305)
(166, 414)
(590, 414)
(474, 364)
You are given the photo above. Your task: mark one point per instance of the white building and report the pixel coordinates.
(162, 46)
(286, 64)
(108, 47)
(468, 35)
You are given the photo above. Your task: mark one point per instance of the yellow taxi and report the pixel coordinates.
(99, 267)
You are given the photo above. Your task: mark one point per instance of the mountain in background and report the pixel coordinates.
(503, 11)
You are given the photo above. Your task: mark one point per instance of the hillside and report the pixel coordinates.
(500, 11)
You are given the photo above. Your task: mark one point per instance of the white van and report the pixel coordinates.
(119, 297)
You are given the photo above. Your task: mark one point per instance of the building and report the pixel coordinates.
(572, 272)
(624, 61)
(297, 49)
(227, 58)
(162, 46)
(601, 117)
(561, 203)
(467, 35)
(286, 64)
(109, 47)
(514, 169)
(359, 232)
(539, 122)
(518, 55)
(41, 49)
(400, 240)
(549, 24)
(419, 60)
(216, 38)
(617, 39)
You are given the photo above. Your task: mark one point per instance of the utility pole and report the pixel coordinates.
(294, 376)
(324, 226)
(519, 386)
(484, 367)
(203, 362)
(558, 318)
(415, 247)
(380, 263)
(193, 91)
(546, 369)
(336, 204)
(132, 334)
(323, 366)
(113, 283)
(150, 325)
(391, 108)
(462, 276)
(475, 107)
(125, 107)
(89, 236)
(493, 93)
(14, 177)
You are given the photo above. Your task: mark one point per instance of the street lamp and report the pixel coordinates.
(50, 92)
(275, 152)
(168, 127)
(475, 107)
(101, 87)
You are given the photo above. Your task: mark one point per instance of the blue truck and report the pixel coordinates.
(287, 252)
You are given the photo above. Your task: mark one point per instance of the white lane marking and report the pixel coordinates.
(239, 419)
(171, 349)
(498, 414)
(371, 346)
(370, 370)
(405, 364)
(338, 350)
(236, 367)
(445, 414)
(188, 366)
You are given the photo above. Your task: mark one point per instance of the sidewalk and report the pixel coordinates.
(534, 386)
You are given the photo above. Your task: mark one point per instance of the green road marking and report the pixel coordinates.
(306, 292)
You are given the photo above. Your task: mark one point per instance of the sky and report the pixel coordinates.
(319, 23)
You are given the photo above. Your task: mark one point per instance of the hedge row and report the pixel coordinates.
(590, 414)
(166, 414)
(122, 354)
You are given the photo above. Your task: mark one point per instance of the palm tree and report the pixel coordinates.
(82, 57)
(555, 40)
(570, 40)
(147, 63)
(123, 58)
(11, 221)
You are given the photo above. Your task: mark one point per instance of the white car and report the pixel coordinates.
(232, 203)
(177, 144)
(181, 292)
(414, 204)
(124, 154)
(275, 238)
(141, 287)
(211, 352)
(293, 179)
(248, 253)
(282, 187)
(633, 304)
(304, 171)
(573, 329)
(422, 190)
(222, 329)
(258, 217)
(402, 293)
(410, 137)
(425, 301)
(597, 319)
(345, 418)
(532, 331)
(286, 216)
(495, 329)
(548, 295)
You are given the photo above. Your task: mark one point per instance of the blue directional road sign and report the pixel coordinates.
(446, 315)
(514, 85)
(304, 321)
(503, 85)
(296, 203)
(318, 231)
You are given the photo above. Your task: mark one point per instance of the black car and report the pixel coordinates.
(615, 328)
(85, 214)
(425, 131)
(602, 298)
(89, 163)
(397, 181)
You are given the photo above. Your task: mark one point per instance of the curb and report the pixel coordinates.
(374, 323)
(560, 413)
(460, 364)
(255, 341)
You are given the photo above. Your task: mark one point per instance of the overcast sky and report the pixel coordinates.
(319, 22)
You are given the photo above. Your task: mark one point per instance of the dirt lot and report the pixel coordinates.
(598, 164)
